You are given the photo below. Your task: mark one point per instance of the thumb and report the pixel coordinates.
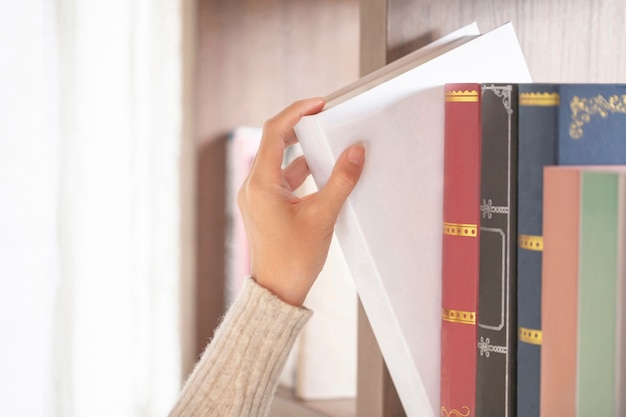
(344, 177)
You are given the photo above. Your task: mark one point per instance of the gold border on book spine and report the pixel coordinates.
(460, 229)
(464, 96)
(530, 242)
(532, 336)
(454, 412)
(539, 99)
(458, 316)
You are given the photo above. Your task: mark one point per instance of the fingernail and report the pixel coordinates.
(356, 155)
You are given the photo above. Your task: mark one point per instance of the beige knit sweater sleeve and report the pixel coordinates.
(238, 373)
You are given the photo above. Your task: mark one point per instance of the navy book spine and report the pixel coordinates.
(537, 146)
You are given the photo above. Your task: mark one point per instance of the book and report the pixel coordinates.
(496, 366)
(620, 382)
(599, 280)
(559, 303)
(327, 345)
(459, 271)
(241, 148)
(559, 124)
(326, 366)
(390, 227)
(538, 114)
(583, 348)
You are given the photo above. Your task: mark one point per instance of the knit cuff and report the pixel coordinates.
(239, 371)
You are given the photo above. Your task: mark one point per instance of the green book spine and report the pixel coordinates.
(597, 296)
(621, 303)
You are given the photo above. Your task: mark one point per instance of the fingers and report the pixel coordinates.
(296, 173)
(278, 133)
(344, 177)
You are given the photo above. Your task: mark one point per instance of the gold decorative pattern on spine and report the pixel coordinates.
(530, 242)
(539, 99)
(584, 107)
(458, 316)
(459, 229)
(454, 412)
(532, 336)
(464, 96)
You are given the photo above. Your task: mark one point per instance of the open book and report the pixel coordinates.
(390, 229)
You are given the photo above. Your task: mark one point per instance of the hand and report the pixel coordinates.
(289, 237)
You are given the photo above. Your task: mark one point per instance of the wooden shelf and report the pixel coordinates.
(285, 404)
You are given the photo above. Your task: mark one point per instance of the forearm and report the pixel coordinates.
(238, 373)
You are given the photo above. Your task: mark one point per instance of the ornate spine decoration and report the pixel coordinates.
(530, 242)
(486, 348)
(454, 412)
(504, 92)
(462, 96)
(488, 209)
(532, 336)
(539, 99)
(458, 316)
(584, 107)
(459, 229)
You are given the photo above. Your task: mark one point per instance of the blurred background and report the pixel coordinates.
(116, 122)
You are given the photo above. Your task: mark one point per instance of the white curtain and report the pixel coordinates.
(27, 212)
(116, 324)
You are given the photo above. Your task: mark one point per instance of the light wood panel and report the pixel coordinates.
(563, 41)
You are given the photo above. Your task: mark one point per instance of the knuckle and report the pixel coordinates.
(344, 182)
(271, 125)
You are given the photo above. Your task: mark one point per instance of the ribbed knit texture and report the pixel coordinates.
(238, 373)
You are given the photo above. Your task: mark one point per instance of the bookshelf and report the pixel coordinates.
(251, 58)
(562, 41)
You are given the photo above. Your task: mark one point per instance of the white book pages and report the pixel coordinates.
(241, 149)
(327, 352)
(391, 226)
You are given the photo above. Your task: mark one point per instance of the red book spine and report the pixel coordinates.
(460, 249)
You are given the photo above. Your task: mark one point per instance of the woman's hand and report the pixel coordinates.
(289, 237)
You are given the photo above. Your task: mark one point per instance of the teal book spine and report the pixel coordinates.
(537, 136)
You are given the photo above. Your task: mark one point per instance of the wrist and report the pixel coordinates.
(290, 290)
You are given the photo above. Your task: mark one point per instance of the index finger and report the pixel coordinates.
(278, 132)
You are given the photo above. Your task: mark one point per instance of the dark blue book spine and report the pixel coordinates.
(537, 142)
(592, 127)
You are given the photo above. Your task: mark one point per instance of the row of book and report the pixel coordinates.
(534, 250)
